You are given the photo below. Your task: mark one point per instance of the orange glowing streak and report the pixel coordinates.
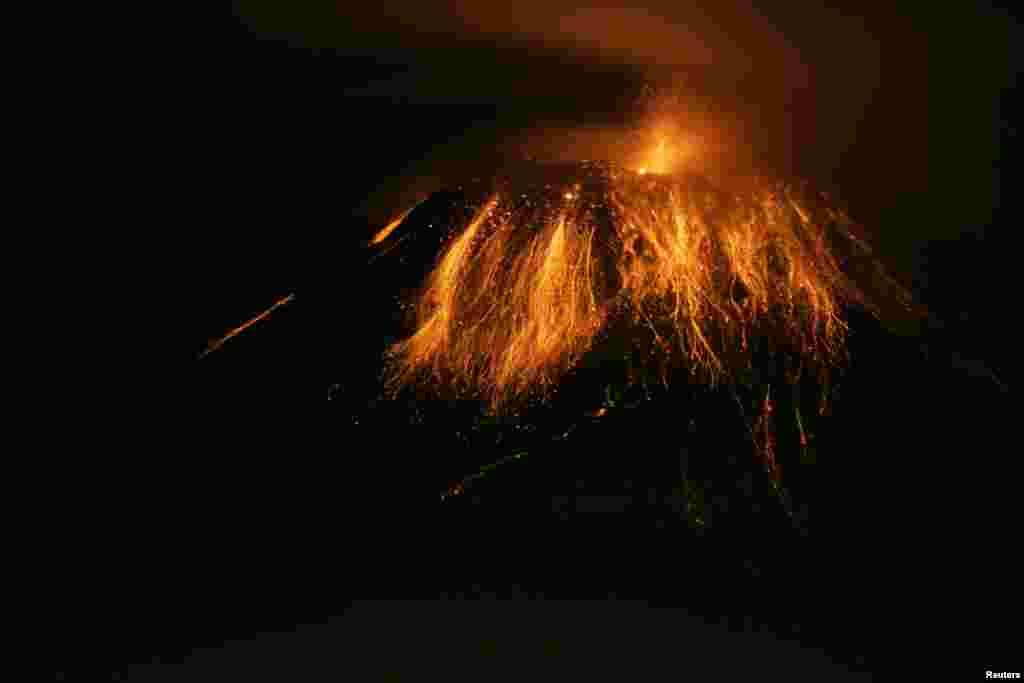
(386, 231)
(242, 328)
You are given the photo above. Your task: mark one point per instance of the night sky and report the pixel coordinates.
(315, 112)
(311, 120)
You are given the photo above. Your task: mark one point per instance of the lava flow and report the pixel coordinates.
(520, 293)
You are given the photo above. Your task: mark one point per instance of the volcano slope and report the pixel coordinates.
(835, 459)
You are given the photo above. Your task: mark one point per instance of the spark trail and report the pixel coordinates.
(214, 345)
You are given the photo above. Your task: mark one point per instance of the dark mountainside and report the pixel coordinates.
(307, 490)
(279, 500)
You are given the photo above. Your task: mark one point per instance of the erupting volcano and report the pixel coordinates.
(553, 256)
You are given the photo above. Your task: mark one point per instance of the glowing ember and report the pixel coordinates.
(519, 295)
(386, 231)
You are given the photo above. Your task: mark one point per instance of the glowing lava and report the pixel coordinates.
(659, 159)
(520, 294)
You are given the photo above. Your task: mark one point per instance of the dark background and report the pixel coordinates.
(260, 507)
